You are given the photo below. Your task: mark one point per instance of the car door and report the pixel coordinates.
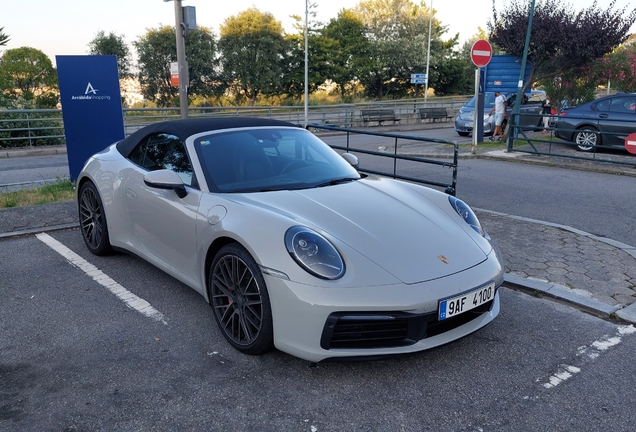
(163, 223)
(529, 111)
(616, 119)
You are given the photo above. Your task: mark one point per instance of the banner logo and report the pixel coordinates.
(90, 89)
(90, 94)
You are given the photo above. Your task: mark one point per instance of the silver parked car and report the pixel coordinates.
(530, 111)
(292, 247)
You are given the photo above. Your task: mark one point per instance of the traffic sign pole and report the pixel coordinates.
(480, 54)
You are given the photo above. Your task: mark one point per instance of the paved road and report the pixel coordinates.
(33, 171)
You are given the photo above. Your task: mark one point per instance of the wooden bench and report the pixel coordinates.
(379, 115)
(436, 113)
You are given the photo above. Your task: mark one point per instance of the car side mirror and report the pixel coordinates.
(351, 159)
(166, 179)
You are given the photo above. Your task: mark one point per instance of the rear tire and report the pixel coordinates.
(93, 220)
(586, 139)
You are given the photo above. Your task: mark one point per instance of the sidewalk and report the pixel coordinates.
(596, 274)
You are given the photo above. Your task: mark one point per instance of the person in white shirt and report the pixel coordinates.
(500, 111)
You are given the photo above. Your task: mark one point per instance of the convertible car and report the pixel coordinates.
(291, 245)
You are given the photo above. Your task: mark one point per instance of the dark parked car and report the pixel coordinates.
(531, 105)
(606, 121)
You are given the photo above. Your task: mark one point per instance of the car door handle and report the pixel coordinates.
(603, 116)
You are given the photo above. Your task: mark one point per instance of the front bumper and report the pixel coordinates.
(306, 318)
(467, 126)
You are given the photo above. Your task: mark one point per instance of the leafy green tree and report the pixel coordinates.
(619, 68)
(4, 38)
(561, 40)
(571, 88)
(252, 54)
(112, 44)
(398, 41)
(349, 51)
(28, 73)
(158, 48)
(318, 53)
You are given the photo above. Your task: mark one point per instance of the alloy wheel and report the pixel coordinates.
(237, 300)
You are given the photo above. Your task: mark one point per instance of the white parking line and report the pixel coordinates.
(129, 299)
(589, 353)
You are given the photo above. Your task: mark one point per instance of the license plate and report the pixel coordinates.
(456, 305)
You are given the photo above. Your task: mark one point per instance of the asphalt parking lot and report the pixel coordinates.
(76, 357)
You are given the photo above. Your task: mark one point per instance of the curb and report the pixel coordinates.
(532, 286)
(33, 151)
(31, 231)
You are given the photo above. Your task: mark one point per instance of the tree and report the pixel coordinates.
(318, 53)
(111, 44)
(398, 42)
(28, 73)
(561, 40)
(252, 50)
(158, 48)
(572, 87)
(619, 68)
(4, 38)
(350, 50)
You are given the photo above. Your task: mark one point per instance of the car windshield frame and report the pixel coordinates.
(263, 159)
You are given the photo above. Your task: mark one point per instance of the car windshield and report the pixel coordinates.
(269, 158)
(489, 101)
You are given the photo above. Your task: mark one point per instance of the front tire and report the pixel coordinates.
(239, 297)
(463, 133)
(93, 220)
(586, 139)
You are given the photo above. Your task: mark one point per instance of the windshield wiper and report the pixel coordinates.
(338, 181)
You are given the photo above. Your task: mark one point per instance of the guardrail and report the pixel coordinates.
(448, 187)
(29, 128)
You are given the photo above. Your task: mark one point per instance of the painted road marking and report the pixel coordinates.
(590, 353)
(131, 300)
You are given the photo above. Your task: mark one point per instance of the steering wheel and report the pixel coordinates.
(293, 165)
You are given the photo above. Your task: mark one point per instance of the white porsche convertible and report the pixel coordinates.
(292, 247)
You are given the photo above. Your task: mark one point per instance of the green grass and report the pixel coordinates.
(62, 190)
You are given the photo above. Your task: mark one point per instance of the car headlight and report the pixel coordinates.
(466, 213)
(314, 253)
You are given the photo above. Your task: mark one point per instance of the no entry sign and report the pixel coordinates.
(481, 53)
(630, 143)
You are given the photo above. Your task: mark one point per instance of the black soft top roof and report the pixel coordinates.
(185, 128)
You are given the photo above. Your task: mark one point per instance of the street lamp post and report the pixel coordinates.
(428, 53)
(306, 62)
(181, 59)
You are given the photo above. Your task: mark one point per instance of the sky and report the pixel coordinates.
(65, 27)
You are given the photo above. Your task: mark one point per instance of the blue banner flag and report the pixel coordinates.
(91, 106)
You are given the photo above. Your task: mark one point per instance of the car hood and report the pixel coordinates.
(394, 225)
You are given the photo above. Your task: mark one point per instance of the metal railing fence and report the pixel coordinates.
(449, 187)
(552, 145)
(37, 127)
